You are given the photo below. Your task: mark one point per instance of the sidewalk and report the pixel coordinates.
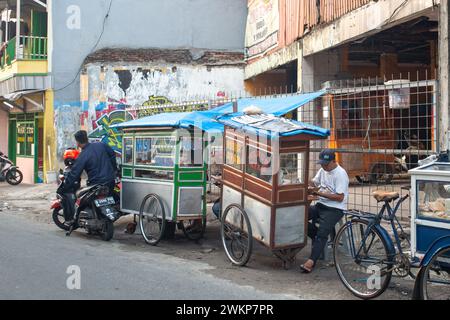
(264, 271)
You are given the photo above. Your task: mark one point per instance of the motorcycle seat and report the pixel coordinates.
(381, 195)
(85, 190)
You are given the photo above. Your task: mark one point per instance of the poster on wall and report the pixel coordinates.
(263, 25)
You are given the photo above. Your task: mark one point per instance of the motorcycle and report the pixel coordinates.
(8, 171)
(91, 208)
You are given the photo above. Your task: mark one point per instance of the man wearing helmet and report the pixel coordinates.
(97, 159)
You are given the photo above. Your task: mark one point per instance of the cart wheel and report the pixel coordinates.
(152, 219)
(194, 229)
(435, 277)
(236, 234)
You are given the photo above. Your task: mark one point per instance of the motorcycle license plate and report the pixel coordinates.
(104, 202)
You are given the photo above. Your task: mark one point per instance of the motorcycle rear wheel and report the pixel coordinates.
(14, 177)
(59, 220)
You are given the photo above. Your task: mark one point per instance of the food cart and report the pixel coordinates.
(158, 184)
(430, 228)
(164, 176)
(265, 185)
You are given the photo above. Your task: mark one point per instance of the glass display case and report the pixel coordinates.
(430, 205)
(433, 200)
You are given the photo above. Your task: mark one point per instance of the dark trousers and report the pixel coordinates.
(322, 221)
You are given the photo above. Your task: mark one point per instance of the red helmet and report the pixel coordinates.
(71, 154)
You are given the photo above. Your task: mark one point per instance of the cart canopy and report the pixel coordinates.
(270, 125)
(210, 120)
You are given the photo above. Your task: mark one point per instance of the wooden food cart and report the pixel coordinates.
(265, 184)
(164, 176)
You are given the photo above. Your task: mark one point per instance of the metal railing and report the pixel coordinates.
(379, 128)
(30, 48)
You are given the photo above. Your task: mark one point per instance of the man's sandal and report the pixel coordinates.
(304, 269)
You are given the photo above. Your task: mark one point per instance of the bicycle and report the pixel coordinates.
(365, 255)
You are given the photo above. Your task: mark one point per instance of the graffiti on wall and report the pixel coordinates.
(104, 131)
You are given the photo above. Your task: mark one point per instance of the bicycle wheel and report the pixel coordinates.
(364, 267)
(236, 234)
(435, 280)
(152, 219)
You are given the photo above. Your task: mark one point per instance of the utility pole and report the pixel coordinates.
(444, 81)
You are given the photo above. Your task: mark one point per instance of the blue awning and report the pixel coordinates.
(209, 120)
(169, 119)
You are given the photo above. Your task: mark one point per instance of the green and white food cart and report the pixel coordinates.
(164, 176)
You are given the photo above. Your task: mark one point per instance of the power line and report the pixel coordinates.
(92, 50)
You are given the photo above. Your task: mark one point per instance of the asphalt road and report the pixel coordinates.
(34, 261)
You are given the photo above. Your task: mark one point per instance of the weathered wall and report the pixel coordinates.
(77, 29)
(205, 24)
(316, 69)
(3, 131)
(106, 91)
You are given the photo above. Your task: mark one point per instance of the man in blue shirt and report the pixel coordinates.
(97, 159)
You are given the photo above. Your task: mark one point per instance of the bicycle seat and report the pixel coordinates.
(381, 195)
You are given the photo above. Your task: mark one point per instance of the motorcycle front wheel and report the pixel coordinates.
(14, 177)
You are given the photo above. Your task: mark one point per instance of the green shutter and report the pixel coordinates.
(12, 141)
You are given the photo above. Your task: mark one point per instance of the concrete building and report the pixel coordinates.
(304, 43)
(298, 45)
(80, 63)
(385, 66)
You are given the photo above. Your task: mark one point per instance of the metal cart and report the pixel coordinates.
(164, 177)
(430, 229)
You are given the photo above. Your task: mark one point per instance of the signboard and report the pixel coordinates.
(263, 24)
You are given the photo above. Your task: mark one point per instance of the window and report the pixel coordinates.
(154, 174)
(155, 151)
(292, 168)
(25, 139)
(234, 153)
(128, 151)
(191, 151)
(259, 164)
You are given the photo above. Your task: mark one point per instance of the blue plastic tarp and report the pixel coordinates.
(169, 119)
(211, 120)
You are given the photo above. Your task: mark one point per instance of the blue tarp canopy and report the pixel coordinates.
(210, 120)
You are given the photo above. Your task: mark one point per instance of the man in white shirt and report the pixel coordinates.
(331, 186)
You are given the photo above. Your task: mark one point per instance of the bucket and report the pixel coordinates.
(399, 94)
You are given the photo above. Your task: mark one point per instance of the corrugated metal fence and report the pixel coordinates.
(299, 17)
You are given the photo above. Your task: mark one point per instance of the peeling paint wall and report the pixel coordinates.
(67, 122)
(106, 92)
(194, 24)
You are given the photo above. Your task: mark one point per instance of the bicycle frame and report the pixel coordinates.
(374, 222)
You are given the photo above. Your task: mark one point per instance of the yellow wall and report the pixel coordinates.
(24, 67)
(49, 134)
